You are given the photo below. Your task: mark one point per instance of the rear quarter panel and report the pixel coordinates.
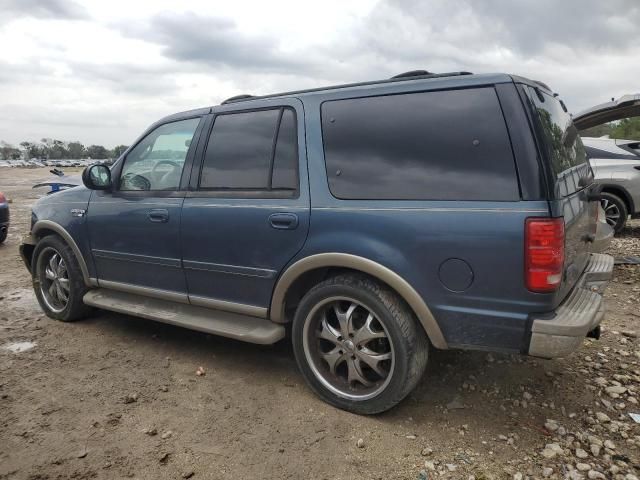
(415, 238)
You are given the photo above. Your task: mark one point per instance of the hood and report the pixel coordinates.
(624, 107)
(60, 182)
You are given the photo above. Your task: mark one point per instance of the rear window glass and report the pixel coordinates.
(563, 145)
(444, 145)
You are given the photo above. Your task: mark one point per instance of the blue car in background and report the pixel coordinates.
(377, 220)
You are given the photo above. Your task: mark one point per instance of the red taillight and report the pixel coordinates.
(544, 253)
(2, 198)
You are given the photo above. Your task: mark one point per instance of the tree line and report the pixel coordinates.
(52, 149)
(625, 129)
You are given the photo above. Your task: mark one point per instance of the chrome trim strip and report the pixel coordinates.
(251, 310)
(435, 209)
(60, 230)
(133, 257)
(232, 269)
(244, 205)
(145, 291)
(395, 281)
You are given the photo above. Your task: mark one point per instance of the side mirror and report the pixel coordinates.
(97, 177)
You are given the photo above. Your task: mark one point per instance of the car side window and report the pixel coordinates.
(255, 150)
(156, 162)
(437, 145)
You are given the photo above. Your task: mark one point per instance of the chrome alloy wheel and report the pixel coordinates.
(348, 348)
(611, 211)
(54, 280)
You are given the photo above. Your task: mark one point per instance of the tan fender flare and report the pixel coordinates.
(57, 228)
(345, 260)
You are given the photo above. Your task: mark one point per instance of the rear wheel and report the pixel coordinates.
(358, 345)
(615, 210)
(57, 280)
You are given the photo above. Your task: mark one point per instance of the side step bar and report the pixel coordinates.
(225, 324)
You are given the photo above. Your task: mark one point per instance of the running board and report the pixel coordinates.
(226, 324)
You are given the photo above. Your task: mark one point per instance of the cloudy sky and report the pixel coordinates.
(101, 71)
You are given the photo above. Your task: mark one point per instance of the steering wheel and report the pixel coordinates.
(138, 182)
(163, 162)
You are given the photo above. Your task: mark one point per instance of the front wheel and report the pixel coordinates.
(358, 345)
(58, 281)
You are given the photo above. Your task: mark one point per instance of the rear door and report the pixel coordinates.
(247, 212)
(571, 177)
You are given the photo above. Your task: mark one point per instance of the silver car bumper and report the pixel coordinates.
(562, 332)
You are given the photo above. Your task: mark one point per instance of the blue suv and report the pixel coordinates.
(378, 220)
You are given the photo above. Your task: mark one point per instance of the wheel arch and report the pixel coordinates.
(622, 193)
(43, 228)
(317, 266)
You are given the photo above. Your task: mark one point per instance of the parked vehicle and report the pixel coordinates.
(616, 163)
(379, 220)
(4, 217)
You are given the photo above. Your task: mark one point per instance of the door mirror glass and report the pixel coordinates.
(97, 177)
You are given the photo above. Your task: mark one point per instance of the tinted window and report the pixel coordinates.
(240, 150)
(285, 162)
(447, 145)
(563, 145)
(156, 162)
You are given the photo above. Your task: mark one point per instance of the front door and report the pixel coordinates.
(247, 212)
(135, 228)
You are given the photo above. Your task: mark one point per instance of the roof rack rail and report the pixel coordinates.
(237, 98)
(426, 73)
(415, 75)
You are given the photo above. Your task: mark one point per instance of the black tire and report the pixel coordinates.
(3, 234)
(614, 205)
(408, 343)
(74, 308)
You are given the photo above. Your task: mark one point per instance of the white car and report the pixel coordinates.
(615, 163)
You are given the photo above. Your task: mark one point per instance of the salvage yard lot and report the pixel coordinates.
(116, 396)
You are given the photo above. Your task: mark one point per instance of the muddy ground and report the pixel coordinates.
(118, 397)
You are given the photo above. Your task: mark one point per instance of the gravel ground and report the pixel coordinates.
(118, 397)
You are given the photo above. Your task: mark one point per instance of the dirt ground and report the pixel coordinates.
(118, 397)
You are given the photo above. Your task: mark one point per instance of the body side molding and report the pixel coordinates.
(144, 291)
(345, 260)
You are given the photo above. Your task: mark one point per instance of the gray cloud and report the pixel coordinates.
(582, 25)
(584, 49)
(139, 80)
(213, 42)
(44, 9)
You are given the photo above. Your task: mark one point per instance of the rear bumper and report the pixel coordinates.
(561, 332)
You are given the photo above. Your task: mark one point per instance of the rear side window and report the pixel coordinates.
(564, 148)
(444, 145)
(255, 150)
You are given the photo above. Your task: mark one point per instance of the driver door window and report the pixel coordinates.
(156, 162)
